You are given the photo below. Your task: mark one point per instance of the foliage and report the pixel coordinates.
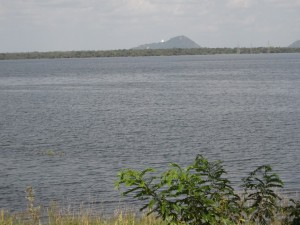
(6, 219)
(220, 206)
(52, 153)
(144, 52)
(33, 211)
(259, 190)
(199, 194)
(293, 213)
(59, 216)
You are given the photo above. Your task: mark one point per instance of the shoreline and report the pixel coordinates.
(144, 52)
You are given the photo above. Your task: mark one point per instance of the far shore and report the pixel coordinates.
(145, 52)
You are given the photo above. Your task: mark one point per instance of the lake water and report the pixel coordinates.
(67, 126)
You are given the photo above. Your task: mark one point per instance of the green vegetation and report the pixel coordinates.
(56, 217)
(144, 52)
(33, 211)
(52, 153)
(199, 194)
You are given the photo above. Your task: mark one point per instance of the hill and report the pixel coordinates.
(296, 44)
(175, 42)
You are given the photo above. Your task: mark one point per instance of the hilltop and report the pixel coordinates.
(175, 42)
(296, 44)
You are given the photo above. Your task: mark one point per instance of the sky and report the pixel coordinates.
(65, 25)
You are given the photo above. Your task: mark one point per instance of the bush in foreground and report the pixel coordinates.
(199, 194)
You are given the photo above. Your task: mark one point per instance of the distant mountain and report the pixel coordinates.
(175, 42)
(296, 44)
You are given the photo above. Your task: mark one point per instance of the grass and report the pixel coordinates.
(84, 218)
(56, 216)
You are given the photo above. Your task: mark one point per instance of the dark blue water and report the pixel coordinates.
(67, 126)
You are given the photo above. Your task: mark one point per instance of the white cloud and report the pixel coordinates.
(133, 22)
(240, 3)
(285, 3)
(140, 6)
(57, 12)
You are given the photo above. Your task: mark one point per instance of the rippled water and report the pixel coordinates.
(100, 115)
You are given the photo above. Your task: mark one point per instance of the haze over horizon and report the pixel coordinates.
(64, 25)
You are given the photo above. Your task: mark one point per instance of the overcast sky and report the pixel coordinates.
(48, 25)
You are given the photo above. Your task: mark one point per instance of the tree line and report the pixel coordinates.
(144, 52)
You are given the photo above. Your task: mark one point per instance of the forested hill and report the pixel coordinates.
(144, 52)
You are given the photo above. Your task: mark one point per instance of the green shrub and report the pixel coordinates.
(293, 213)
(259, 192)
(200, 194)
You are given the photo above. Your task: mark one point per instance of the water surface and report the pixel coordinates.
(102, 114)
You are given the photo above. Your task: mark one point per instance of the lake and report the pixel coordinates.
(67, 126)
